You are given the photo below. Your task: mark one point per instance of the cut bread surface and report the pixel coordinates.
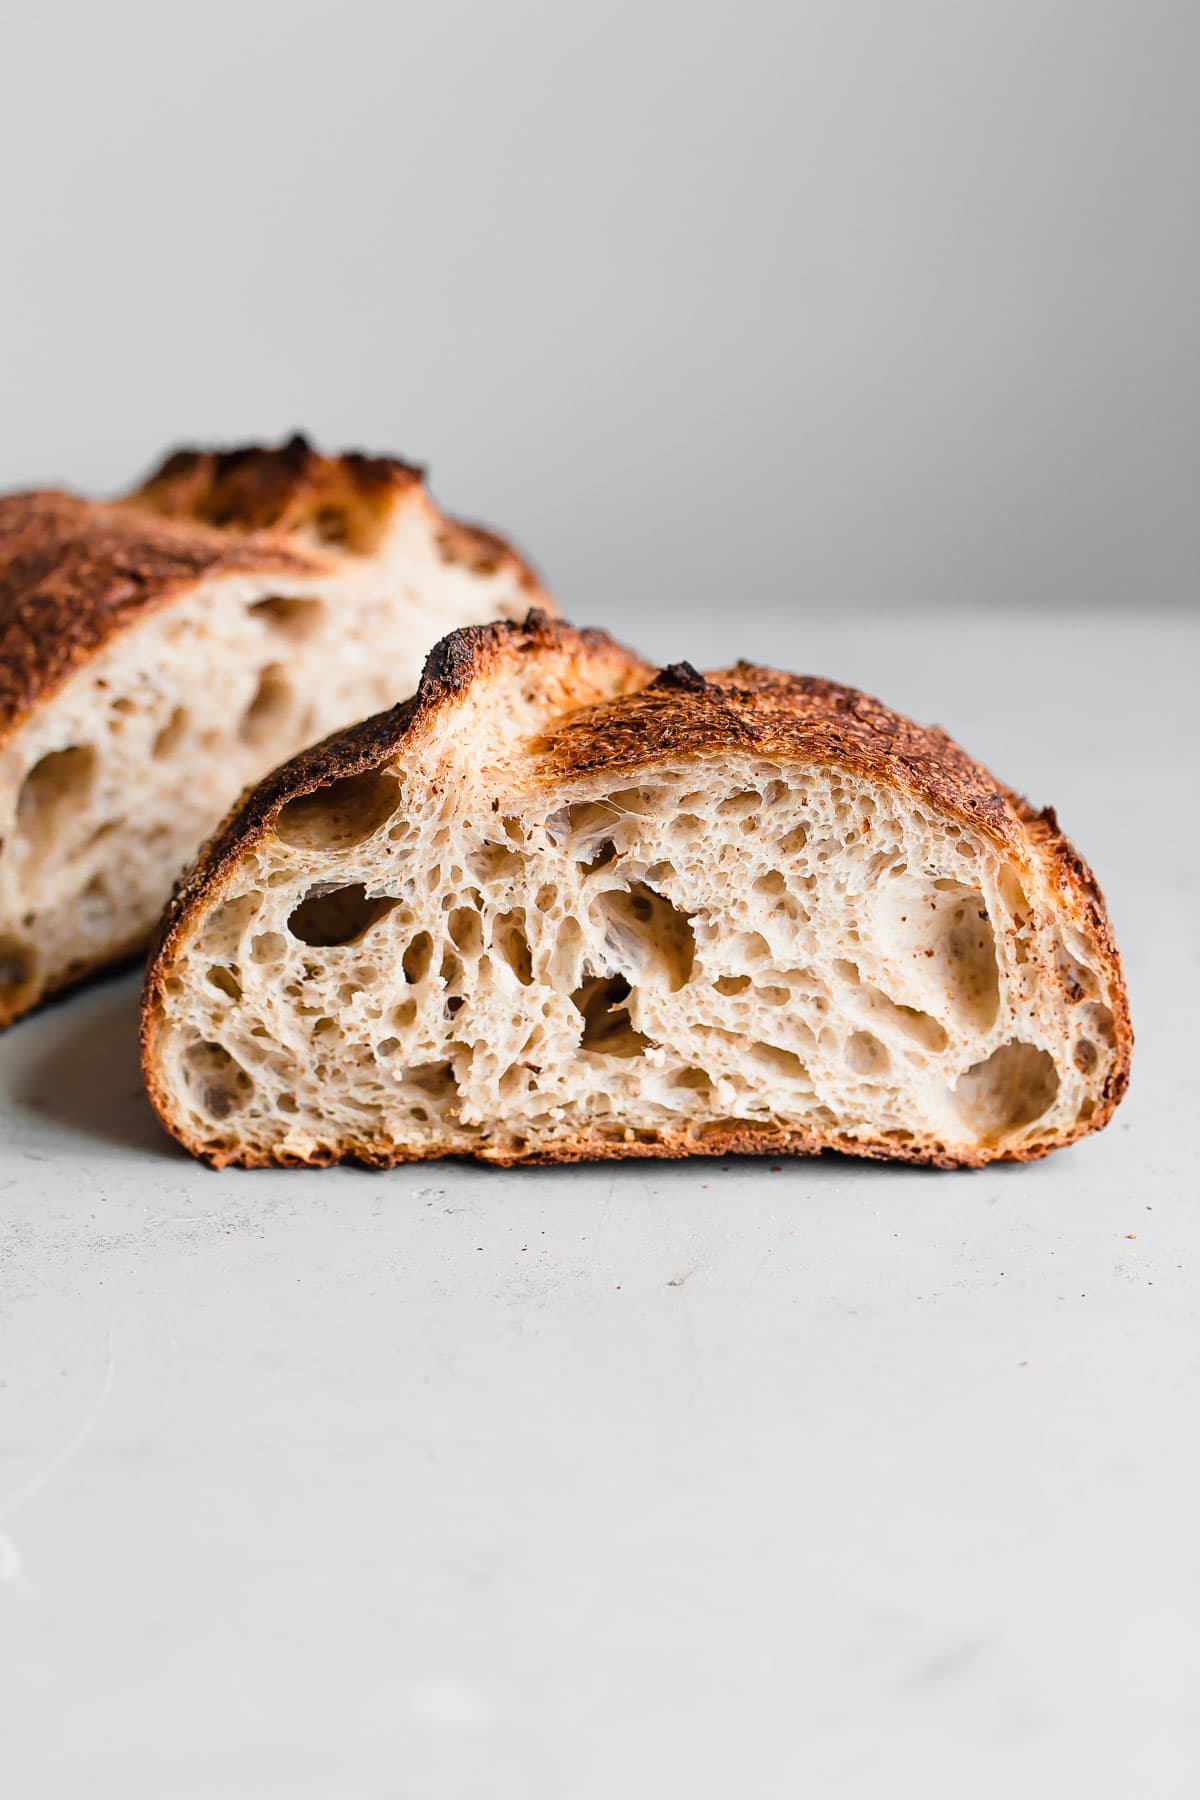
(160, 653)
(563, 905)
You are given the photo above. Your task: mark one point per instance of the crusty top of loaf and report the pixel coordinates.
(258, 487)
(672, 715)
(654, 714)
(343, 501)
(74, 572)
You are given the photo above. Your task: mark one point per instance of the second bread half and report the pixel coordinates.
(161, 652)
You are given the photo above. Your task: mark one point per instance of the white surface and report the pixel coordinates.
(707, 1479)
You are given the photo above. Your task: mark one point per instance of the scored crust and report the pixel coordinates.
(608, 712)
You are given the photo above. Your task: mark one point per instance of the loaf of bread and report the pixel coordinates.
(563, 906)
(161, 652)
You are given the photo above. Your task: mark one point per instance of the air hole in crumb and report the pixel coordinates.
(226, 981)
(1014, 1086)
(1097, 1021)
(339, 815)
(435, 1079)
(865, 1055)
(944, 941)
(295, 618)
(921, 1027)
(639, 799)
(732, 984)
(286, 1103)
(565, 961)
(1078, 978)
(583, 827)
(268, 947)
(772, 884)
(647, 937)
(1085, 1056)
(218, 1084)
(417, 958)
(451, 970)
(1012, 895)
(495, 862)
(52, 795)
(331, 916)
(607, 1027)
(794, 841)
(403, 1015)
(781, 1062)
(168, 739)
(466, 930)
(514, 1081)
(740, 805)
(696, 1081)
(510, 938)
(604, 853)
(270, 710)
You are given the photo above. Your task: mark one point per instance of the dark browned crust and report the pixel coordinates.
(343, 502)
(257, 487)
(667, 715)
(76, 572)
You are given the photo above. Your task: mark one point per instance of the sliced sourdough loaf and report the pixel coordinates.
(161, 652)
(561, 906)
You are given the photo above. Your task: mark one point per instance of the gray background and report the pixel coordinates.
(820, 306)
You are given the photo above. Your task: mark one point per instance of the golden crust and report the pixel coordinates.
(75, 572)
(674, 714)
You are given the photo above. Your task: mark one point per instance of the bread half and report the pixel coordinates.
(563, 905)
(161, 652)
